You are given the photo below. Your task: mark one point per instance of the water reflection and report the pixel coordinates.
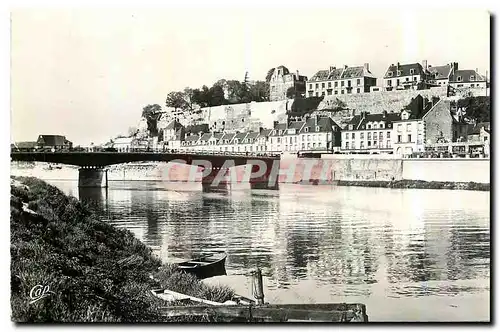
(368, 242)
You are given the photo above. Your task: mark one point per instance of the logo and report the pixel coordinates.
(39, 292)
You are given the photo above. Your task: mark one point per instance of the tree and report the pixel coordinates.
(259, 91)
(216, 95)
(176, 100)
(188, 98)
(152, 113)
(132, 131)
(476, 108)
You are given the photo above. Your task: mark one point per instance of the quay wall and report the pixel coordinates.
(295, 170)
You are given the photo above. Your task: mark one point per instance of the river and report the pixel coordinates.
(409, 254)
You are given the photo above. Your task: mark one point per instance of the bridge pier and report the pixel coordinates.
(91, 177)
(262, 182)
(207, 182)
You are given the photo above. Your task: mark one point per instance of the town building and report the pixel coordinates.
(407, 76)
(466, 78)
(440, 75)
(369, 133)
(345, 80)
(280, 80)
(53, 141)
(480, 132)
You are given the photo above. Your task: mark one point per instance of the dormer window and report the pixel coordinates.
(389, 74)
(399, 72)
(381, 125)
(280, 132)
(317, 128)
(368, 126)
(307, 129)
(350, 127)
(472, 78)
(375, 126)
(459, 78)
(412, 71)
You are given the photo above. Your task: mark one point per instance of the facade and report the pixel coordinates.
(280, 80)
(466, 78)
(53, 141)
(369, 133)
(440, 75)
(336, 81)
(406, 76)
(319, 134)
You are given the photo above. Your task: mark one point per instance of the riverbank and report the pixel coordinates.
(91, 271)
(418, 184)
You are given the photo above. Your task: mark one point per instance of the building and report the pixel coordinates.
(123, 143)
(407, 76)
(440, 75)
(479, 132)
(53, 141)
(314, 134)
(369, 133)
(280, 80)
(346, 80)
(466, 78)
(173, 129)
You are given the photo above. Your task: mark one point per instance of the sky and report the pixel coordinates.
(88, 73)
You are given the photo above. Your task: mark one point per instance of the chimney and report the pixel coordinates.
(353, 112)
(384, 114)
(367, 66)
(260, 130)
(398, 64)
(424, 64)
(332, 68)
(345, 66)
(275, 123)
(316, 119)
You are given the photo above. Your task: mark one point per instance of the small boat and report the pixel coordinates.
(205, 266)
(171, 296)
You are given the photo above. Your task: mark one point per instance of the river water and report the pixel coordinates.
(409, 255)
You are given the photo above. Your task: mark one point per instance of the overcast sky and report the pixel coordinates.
(87, 74)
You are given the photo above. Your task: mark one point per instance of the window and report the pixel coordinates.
(336, 84)
(388, 144)
(314, 145)
(347, 145)
(306, 129)
(350, 127)
(329, 92)
(374, 136)
(369, 143)
(358, 90)
(329, 84)
(381, 125)
(415, 79)
(368, 126)
(353, 135)
(369, 135)
(400, 127)
(358, 81)
(323, 93)
(342, 83)
(389, 83)
(472, 77)
(399, 72)
(322, 85)
(317, 94)
(380, 136)
(397, 82)
(389, 74)
(408, 127)
(374, 126)
(336, 92)
(362, 145)
(409, 138)
(349, 83)
(399, 138)
(316, 85)
(362, 135)
(459, 78)
(310, 86)
(407, 79)
(342, 92)
(412, 71)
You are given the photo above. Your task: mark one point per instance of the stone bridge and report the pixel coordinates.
(93, 172)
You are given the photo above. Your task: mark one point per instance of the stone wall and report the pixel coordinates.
(451, 170)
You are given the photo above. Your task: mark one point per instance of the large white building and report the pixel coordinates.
(344, 80)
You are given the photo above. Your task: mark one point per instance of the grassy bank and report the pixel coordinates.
(96, 272)
(418, 184)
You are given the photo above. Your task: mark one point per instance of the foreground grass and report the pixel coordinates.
(97, 273)
(418, 184)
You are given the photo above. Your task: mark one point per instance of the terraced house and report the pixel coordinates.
(319, 134)
(336, 81)
(407, 76)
